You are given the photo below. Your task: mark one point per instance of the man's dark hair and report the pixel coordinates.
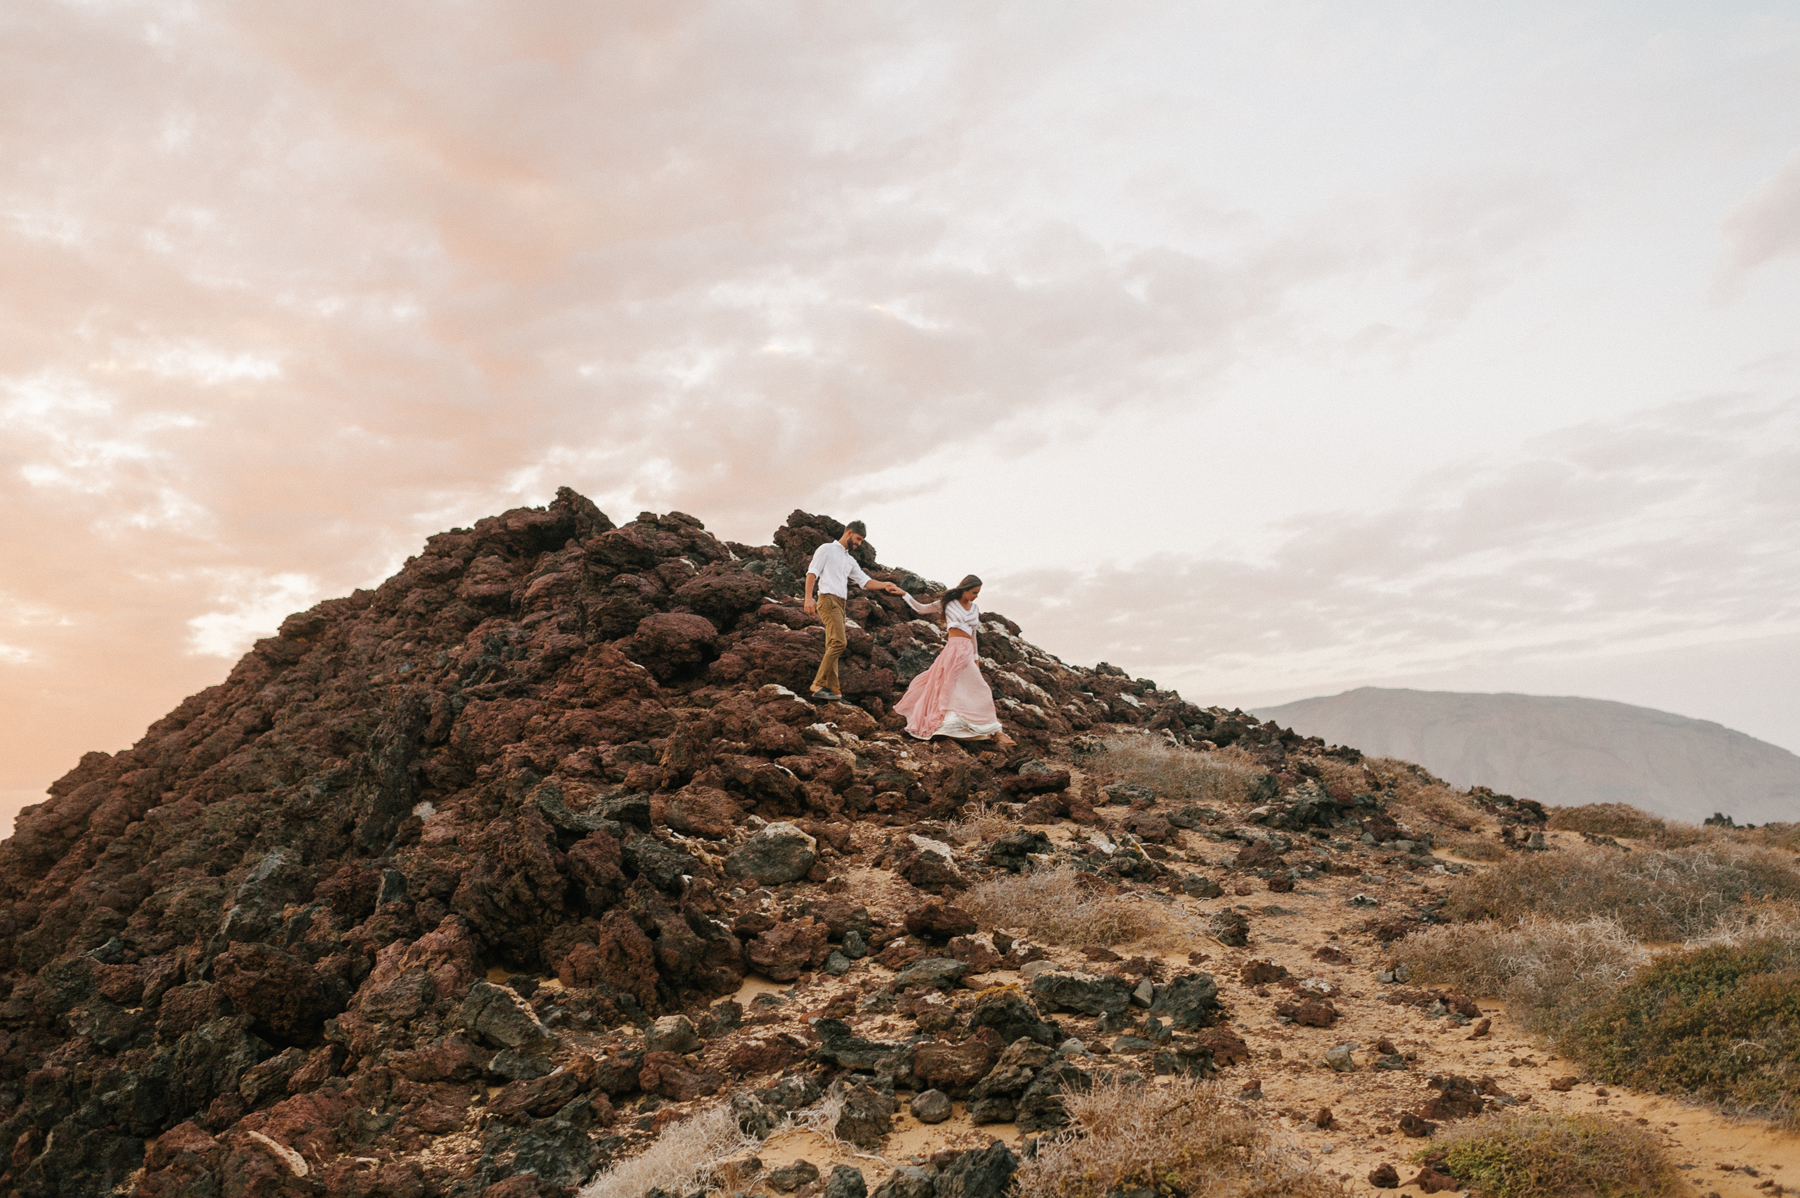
(857, 527)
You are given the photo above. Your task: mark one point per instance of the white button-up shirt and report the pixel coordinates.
(835, 569)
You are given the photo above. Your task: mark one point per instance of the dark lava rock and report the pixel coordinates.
(931, 1106)
(1260, 855)
(1229, 928)
(846, 1182)
(1200, 886)
(1012, 1018)
(1084, 992)
(867, 1117)
(1384, 1177)
(1187, 1002)
(839, 1045)
(788, 1178)
(941, 972)
(977, 1173)
(1012, 851)
(939, 921)
(906, 1181)
(779, 853)
(497, 1015)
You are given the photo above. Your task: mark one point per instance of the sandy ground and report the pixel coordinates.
(1730, 1158)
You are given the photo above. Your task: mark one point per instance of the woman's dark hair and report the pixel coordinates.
(969, 583)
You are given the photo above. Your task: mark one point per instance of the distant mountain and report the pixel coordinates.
(1565, 751)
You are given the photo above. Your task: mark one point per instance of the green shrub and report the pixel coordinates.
(1721, 1022)
(1518, 1154)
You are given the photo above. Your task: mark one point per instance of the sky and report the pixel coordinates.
(1265, 350)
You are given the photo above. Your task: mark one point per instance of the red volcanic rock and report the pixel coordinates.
(789, 949)
(323, 901)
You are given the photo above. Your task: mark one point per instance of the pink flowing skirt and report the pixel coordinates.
(951, 698)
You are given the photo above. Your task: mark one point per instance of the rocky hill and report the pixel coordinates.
(1564, 751)
(409, 904)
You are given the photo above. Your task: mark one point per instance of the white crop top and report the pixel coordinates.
(965, 617)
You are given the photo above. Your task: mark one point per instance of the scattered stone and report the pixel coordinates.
(788, 1178)
(778, 853)
(1189, 1001)
(867, 1117)
(1431, 1181)
(1084, 992)
(1011, 1016)
(846, 1182)
(939, 921)
(1229, 928)
(672, 1033)
(1200, 886)
(930, 1106)
(1261, 973)
(939, 972)
(1340, 1057)
(1412, 1125)
(977, 1173)
(1362, 900)
(907, 1181)
(1384, 1177)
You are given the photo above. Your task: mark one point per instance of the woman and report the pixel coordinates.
(952, 698)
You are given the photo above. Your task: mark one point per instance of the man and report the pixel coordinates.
(831, 571)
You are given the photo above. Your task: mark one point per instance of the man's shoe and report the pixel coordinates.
(825, 696)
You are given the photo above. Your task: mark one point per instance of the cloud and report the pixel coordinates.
(254, 607)
(1676, 527)
(1765, 225)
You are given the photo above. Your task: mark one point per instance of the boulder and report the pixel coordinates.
(867, 1117)
(939, 921)
(907, 1181)
(787, 1178)
(1006, 1011)
(1087, 993)
(1187, 1002)
(977, 1173)
(940, 972)
(955, 1067)
(930, 1106)
(672, 1033)
(1229, 928)
(776, 854)
(846, 1181)
(789, 949)
(497, 1015)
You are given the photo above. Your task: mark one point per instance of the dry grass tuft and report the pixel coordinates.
(1052, 905)
(1180, 775)
(1672, 894)
(1622, 819)
(1415, 795)
(1521, 1154)
(1549, 973)
(678, 1160)
(1183, 1138)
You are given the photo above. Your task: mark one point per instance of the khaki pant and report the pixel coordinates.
(831, 614)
